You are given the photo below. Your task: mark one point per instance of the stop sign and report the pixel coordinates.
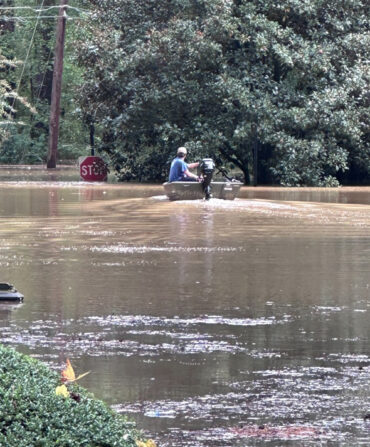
(93, 169)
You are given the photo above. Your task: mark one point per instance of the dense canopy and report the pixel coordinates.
(281, 85)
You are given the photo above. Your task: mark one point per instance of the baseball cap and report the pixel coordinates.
(182, 150)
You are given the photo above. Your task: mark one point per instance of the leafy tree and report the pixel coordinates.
(5, 97)
(26, 38)
(8, 97)
(222, 76)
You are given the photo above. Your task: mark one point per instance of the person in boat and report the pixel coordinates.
(179, 171)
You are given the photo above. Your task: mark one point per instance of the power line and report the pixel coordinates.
(42, 9)
(38, 11)
(27, 55)
(25, 18)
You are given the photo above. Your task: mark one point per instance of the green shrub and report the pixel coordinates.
(31, 414)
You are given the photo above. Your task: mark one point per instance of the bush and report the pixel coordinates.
(31, 414)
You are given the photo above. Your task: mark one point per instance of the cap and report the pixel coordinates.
(182, 150)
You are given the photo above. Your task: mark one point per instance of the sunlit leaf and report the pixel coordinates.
(62, 391)
(68, 374)
(148, 443)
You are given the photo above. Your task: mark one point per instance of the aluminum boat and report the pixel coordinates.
(195, 190)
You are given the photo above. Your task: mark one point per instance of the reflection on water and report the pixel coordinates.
(210, 323)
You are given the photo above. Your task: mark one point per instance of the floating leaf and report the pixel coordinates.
(62, 391)
(68, 374)
(148, 443)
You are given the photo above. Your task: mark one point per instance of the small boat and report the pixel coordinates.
(206, 189)
(9, 293)
(195, 191)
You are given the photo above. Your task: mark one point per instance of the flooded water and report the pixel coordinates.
(217, 323)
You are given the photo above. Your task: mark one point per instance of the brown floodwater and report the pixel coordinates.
(209, 323)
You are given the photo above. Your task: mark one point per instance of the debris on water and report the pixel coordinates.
(270, 432)
(143, 335)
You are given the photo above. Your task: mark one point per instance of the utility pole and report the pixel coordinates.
(57, 87)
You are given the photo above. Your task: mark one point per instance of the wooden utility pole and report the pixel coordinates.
(57, 87)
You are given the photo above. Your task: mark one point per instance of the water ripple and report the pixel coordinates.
(140, 335)
(146, 249)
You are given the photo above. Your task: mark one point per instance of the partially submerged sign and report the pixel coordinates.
(93, 169)
(9, 293)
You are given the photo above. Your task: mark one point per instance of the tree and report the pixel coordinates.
(8, 96)
(208, 73)
(32, 40)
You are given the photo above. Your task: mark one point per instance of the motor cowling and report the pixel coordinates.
(206, 166)
(206, 169)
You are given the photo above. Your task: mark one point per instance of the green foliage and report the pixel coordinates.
(32, 41)
(19, 148)
(8, 97)
(5, 98)
(31, 414)
(223, 76)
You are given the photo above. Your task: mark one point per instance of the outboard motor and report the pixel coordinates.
(206, 169)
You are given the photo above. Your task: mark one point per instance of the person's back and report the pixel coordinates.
(178, 167)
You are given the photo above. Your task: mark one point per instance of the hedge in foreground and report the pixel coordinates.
(31, 414)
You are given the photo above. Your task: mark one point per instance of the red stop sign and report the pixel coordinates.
(93, 169)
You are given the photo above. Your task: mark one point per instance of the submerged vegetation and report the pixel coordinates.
(278, 91)
(32, 413)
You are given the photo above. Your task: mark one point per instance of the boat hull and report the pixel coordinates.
(194, 190)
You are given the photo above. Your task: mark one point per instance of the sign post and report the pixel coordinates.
(93, 169)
